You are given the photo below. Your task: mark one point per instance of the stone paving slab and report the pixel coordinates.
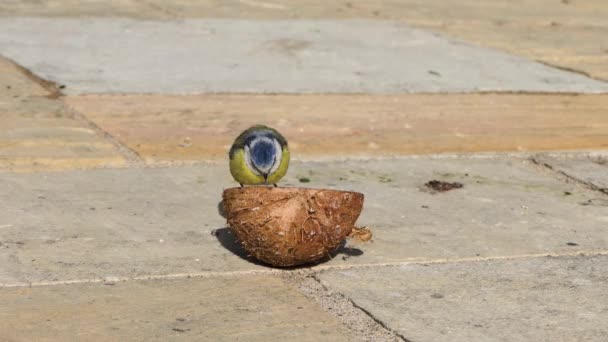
(566, 33)
(119, 55)
(537, 299)
(37, 133)
(590, 170)
(169, 128)
(216, 309)
(77, 8)
(15, 83)
(130, 223)
(504, 208)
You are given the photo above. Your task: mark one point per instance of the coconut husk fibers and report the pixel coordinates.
(291, 226)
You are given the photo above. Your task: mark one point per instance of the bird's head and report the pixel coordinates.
(263, 153)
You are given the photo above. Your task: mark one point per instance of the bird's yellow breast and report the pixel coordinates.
(242, 174)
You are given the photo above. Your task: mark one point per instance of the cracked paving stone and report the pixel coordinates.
(529, 299)
(591, 170)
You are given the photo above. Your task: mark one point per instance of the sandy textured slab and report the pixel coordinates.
(218, 309)
(66, 8)
(556, 299)
(16, 82)
(174, 128)
(95, 55)
(130, 223)
(38, 134)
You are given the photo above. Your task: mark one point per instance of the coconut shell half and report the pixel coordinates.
(291, 226)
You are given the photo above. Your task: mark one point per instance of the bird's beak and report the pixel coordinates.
(265, 178)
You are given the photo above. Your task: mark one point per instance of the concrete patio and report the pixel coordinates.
(116, 118)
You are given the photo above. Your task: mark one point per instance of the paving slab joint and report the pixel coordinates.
(132, 157)
(51, 87)
(298, 276)
(176, 276)
(572, 70)
(159, 8)
(360, 321)
(567, 177)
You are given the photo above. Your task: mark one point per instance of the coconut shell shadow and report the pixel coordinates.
(286, 227)
(220, 209)
(228, 240)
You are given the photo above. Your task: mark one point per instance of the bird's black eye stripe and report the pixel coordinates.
(276, 137)
(250, 139)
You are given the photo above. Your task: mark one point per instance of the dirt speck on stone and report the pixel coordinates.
(384, 179)
(601, 160)
(571, 243)
(304, 180)
(441, 186)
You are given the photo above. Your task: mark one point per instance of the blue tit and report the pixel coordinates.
(259, 155)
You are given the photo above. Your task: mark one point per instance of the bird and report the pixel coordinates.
(259, 155)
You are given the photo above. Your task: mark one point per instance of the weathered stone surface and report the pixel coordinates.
(114, 55)
(113, 223)
(145, 222)
(504, 208)
(566, 33)
(218, 309)
(169, 128)
(37, 134)
(549, 299)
